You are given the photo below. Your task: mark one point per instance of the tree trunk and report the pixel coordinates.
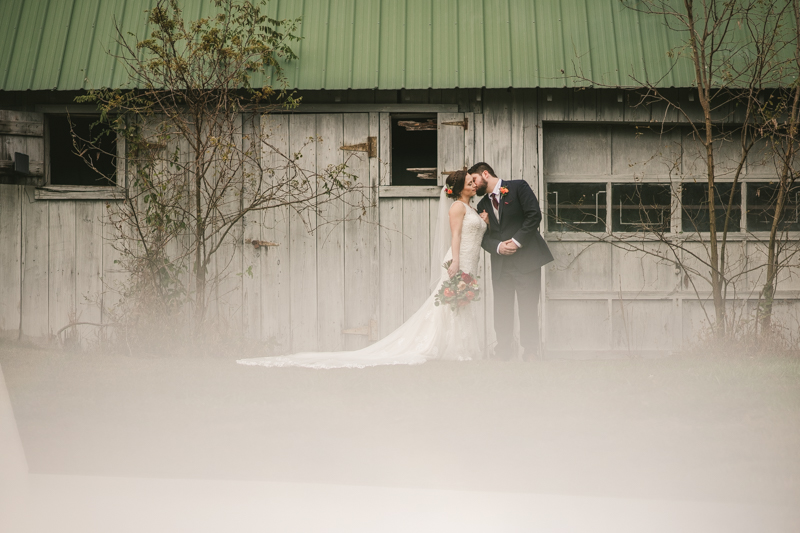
(199, 253)
(768, 291)
(716, 268)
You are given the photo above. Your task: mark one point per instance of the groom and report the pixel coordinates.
(518, 254)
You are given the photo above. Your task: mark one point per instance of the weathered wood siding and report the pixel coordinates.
(58, 263)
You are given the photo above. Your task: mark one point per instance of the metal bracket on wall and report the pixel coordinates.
(371, 147)
(258, 244)
(463, 123)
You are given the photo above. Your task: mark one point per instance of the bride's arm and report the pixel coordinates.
(457, 213)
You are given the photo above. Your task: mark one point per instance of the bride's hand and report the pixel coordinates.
(452, 269)
(484, 216)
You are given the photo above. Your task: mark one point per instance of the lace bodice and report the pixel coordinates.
(472, 232)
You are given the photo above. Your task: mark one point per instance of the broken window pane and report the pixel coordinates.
(576, 206)
(695, 215)
(640, 207)
(414, 149)
(68, 168)
(761, 201)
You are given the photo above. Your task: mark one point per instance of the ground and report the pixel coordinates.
(707, 429)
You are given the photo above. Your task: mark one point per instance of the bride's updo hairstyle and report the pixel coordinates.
(455, 183)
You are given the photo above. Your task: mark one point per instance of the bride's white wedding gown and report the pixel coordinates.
(433, 332)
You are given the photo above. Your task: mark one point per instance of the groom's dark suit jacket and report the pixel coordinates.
(520, 217)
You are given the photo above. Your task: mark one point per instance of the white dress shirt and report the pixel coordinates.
(496, 193)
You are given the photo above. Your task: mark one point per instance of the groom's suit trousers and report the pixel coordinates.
(526, 286)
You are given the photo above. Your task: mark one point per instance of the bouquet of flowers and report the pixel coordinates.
(458, 291)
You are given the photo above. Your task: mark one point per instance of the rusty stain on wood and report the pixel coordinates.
(258, 244)
(370, 331)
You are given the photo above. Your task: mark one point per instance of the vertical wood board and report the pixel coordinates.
(10, 259)
(276, 274)
(330, 238)
(303, 245)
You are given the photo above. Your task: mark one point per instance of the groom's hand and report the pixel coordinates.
(507, 248)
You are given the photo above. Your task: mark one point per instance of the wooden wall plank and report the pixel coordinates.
(114, 276)
(583, 104)
(276, 268)
(251, 230)
(469, 140)
(88, 268)
(385, 149)
(530, 141)
(517, 132)
(228, 258)
(373, 218)
(391, 264)
(487, 332)
(35, 273)
(62, 263)
(497, 132)
(303, 248)
(416, 254)
(360, 290)
(450, 145)
(330, 238)
(497, 152)
(10, 259)
(610, 105)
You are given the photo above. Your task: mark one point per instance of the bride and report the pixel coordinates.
(433, 332)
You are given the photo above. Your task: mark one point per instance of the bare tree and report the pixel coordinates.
(779, 112)
(190, 121)
(738, 51)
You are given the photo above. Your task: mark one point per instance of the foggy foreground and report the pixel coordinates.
(117, 443)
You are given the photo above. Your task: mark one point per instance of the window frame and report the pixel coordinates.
(750, 173)
(47, 191)
(386, 189)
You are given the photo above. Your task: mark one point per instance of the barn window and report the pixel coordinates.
(414, 149)
(68, 134)
(576, 207)
(640, 207)
(694, 215)
(761, 200)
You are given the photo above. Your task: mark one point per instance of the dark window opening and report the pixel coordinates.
(414, 149)
(695, 216)
(640, 207)
(761, 202)
(69, 168)
(576, 206)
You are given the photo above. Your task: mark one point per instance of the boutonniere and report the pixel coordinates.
(503, 191)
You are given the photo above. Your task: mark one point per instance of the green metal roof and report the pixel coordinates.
(367, 44)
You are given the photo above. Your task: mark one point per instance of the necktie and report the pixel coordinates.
(495, 203)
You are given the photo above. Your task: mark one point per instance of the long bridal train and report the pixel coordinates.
(432, 333)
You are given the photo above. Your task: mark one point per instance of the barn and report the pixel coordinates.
(509, 83)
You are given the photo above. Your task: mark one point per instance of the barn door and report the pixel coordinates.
(21, 148)
(316, 291)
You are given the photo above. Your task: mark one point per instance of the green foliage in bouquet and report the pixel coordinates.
(458, 291)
